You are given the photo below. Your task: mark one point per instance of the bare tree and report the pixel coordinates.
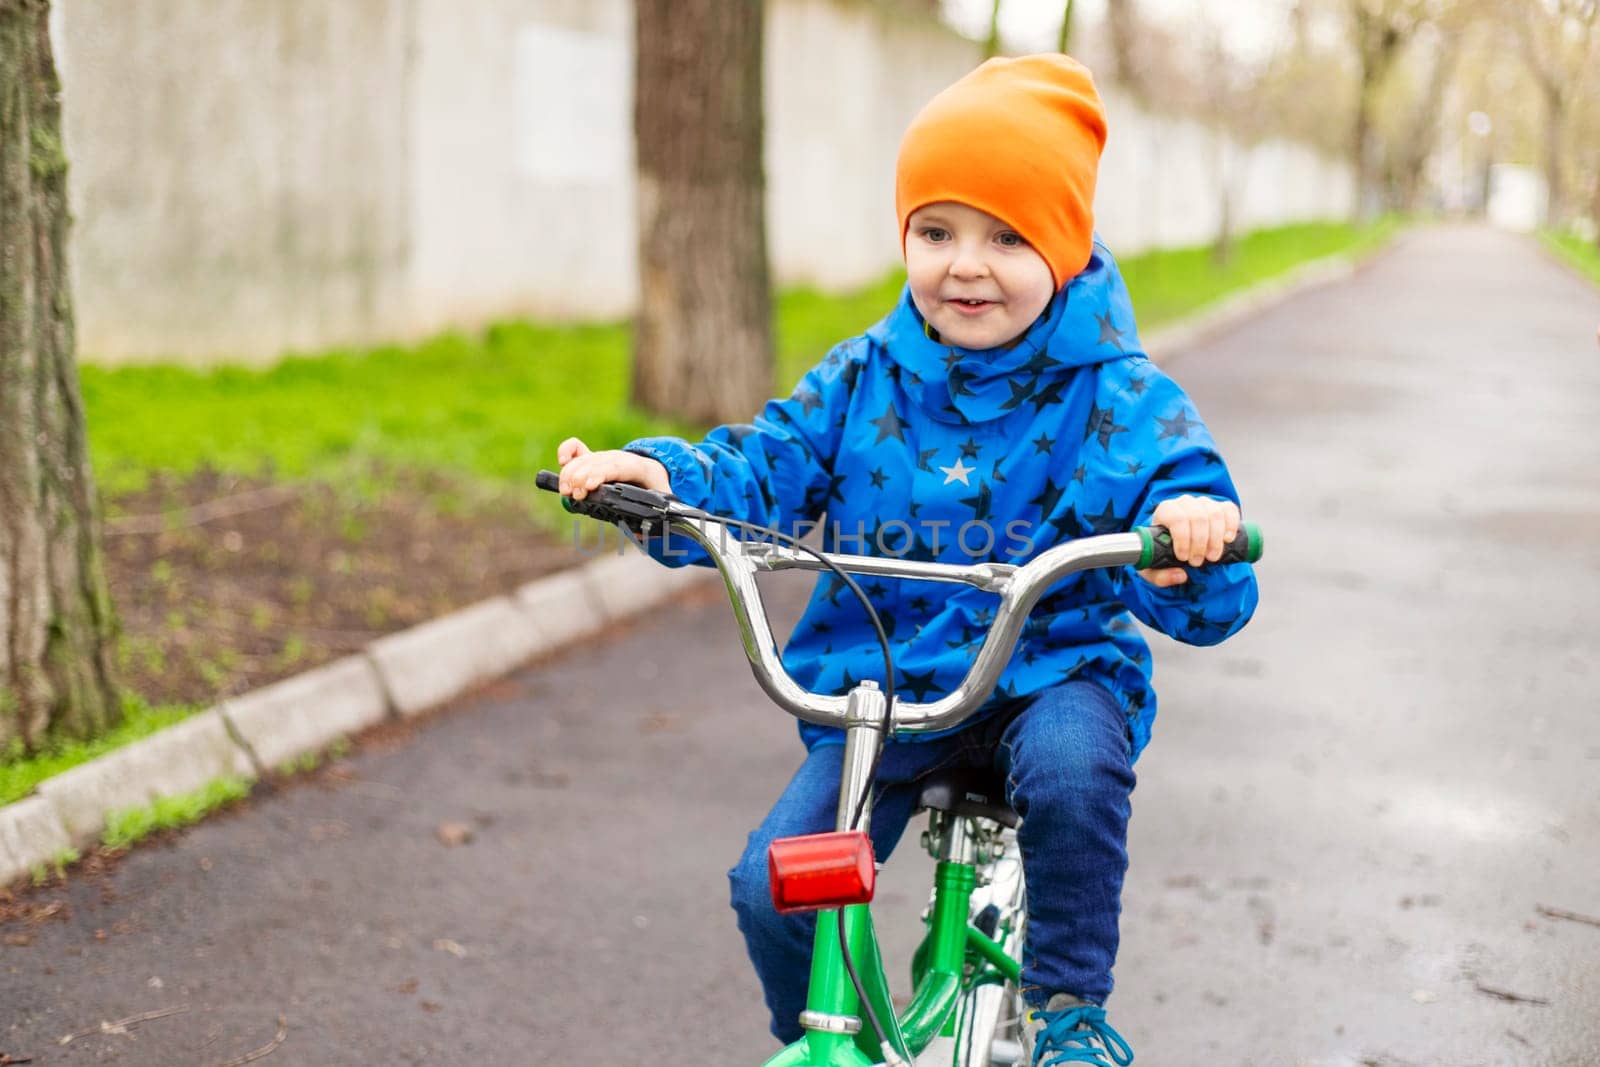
(1420, 129)
(1122, 23)
(991, 44)
(1223, 90)
(1555, 38)
(703, 344)
(55, 611)
(1306, 91)
(1379, 30)
(1585, 133)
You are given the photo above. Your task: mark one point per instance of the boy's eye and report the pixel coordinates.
(1010, 239)
(935, 234)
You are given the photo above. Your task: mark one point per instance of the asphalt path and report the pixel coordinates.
(1353, 833)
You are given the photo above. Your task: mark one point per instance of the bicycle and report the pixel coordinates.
(965, 1007)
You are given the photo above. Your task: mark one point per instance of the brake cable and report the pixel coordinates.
(641, 509)
(863, 803)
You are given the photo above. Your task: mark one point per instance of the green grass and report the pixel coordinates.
(40, 873)
(491, 408)
(310, 761)
(1581, 253)
(19, 774)
(1172, 283)
(809, 323)
(129, 825)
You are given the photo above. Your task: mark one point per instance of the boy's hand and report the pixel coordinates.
(583, 471)
(1200, 528)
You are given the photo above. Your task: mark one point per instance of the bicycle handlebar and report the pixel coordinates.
(1019, 588)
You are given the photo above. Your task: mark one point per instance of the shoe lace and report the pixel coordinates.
(1070, 1035)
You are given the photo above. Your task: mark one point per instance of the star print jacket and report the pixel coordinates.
(899, 445)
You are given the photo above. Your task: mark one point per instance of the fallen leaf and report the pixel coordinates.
(430, 1007)
(662, 722)
(408, 987)
(444, 944)
(451, 834)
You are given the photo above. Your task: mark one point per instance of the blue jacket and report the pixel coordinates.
(904, 446)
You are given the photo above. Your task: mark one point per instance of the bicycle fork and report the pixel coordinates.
(838, 1030)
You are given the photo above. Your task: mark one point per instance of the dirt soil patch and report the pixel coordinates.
(224, 584)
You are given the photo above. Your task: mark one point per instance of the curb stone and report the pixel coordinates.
(398, 675)
(632, 583)
(179, 759)
(415, 669)
(428, 664)
(561, 608)
(30, 834)
(310, 711)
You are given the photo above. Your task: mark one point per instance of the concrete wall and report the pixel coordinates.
(1163, 182)
(252, 176)
(522, 190)
(233, 173)
(843, 80)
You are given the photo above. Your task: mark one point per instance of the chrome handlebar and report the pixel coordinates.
(1019, 589)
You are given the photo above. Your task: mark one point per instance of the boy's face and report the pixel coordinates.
(973, 277)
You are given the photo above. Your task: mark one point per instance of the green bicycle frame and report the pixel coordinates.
(955, 956)
(838, 1030)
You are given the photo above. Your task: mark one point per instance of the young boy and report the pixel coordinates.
(1003, 406)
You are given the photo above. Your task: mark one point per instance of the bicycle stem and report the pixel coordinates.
(866, 715)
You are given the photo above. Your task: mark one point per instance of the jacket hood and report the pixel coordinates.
(1089, 321)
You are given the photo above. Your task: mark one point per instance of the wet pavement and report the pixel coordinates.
(1355, 834)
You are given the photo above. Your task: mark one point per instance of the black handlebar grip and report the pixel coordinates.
(617, 502)
(594, 506)
(1246, 547)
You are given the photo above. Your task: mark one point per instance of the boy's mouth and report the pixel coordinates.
(970, 307)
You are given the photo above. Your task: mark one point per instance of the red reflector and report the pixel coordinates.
(821, 871)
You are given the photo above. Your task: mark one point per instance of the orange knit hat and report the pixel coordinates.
(1017, 138)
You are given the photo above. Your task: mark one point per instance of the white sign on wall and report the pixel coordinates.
(574, 108)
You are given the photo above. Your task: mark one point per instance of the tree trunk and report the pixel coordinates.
(703, 345)
(1377, 42)
(1555, 203)
(1122, 22)
(1486, 177)
(991, 45)
(1424, 125)
(1594, 210)
(1365, 157)
(1222, 244)
(55, 612)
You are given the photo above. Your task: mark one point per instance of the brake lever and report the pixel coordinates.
(631, 506)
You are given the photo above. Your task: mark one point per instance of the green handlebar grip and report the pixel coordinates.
(1246, 547)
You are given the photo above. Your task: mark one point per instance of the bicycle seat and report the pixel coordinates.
(968, 791)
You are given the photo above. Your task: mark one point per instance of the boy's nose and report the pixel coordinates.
(967, 264)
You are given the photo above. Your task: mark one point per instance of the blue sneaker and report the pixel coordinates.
(1069, 1030)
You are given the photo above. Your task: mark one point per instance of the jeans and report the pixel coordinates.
(1067, 760)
